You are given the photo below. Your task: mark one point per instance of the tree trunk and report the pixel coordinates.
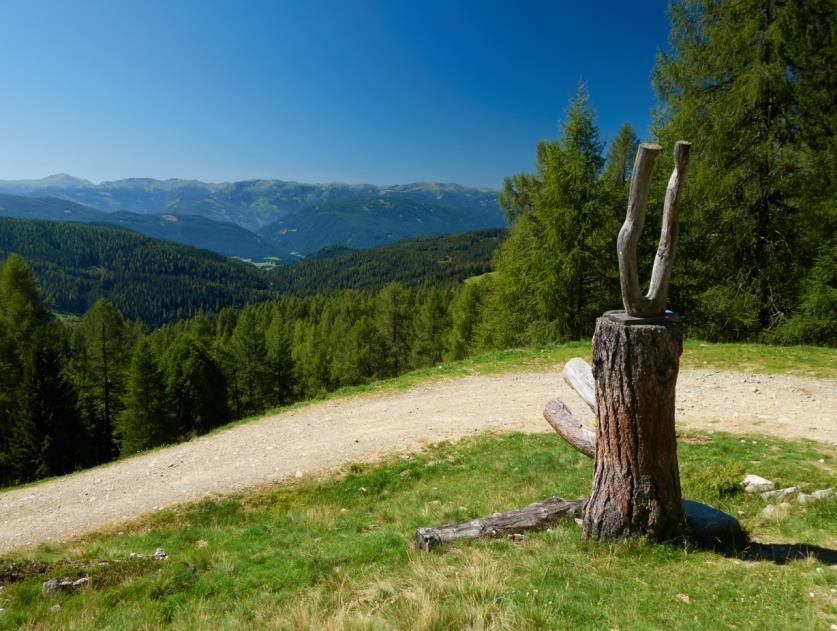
(636, 484)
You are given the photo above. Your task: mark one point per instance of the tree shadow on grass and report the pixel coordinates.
(782, 553)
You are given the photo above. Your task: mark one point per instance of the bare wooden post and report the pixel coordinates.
(636, 358)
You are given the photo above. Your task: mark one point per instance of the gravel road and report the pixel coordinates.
(325, 435)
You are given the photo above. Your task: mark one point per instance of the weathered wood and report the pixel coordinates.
(570, 428)
(636, 483)
(534, 516)
(579, 376)
(654, 302)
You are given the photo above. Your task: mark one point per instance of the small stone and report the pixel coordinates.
(756, 484)
(779, 494)
(160, 555)
(201, 543)
(516, 537)
(775, 511)
(55, 608)
(81, 583)
(683, 598)
(298, 475)
(816, 496)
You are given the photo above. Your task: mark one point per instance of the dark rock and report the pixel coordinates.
(712, 528)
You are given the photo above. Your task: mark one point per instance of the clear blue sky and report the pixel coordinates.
(383, 92)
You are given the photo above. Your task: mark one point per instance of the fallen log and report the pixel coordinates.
(532, 517)
(579, 376)
(706, 526)
(570, 428)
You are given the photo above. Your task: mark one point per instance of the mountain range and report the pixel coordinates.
(258, 219)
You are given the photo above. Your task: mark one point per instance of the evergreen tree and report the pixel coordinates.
(464, 317)
(196, 390)
(429, 328)
(102, 352)
(279, 360)
(551, 283)
(144, 423)
(620, 156)
(751, 84)
(48, 432)
(393, 316)
(249, 354)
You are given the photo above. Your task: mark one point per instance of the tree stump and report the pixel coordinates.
(636, 484)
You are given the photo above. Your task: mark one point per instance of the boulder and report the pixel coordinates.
(756, 484)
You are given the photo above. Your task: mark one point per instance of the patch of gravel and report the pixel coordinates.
(329, 434)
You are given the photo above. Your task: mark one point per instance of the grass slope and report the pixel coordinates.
(333, 554)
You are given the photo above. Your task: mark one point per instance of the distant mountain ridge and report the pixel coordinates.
(224, 238)
(294, 219)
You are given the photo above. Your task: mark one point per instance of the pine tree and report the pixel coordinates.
(620, 156)
(48, 432)
(249, 354)
(144, 423)
(393, 315)
(429, 328)
(551, 283)
(464, 317)
(751, 84)
(102, 352)
(279, 360)
(196, 390)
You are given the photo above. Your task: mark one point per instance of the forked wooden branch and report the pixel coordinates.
(654, 302)
(534, 516)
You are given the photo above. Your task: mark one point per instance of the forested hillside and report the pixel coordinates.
(148, 279)
(80, 393)
(157, 281)
(412, 262)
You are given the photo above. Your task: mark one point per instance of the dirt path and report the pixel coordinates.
(329, 434)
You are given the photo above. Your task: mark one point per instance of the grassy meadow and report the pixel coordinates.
(335, 553)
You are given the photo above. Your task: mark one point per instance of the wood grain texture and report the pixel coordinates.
(636, 482)
(534, 516)
(654, 302)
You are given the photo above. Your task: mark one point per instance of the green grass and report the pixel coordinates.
(334, 554)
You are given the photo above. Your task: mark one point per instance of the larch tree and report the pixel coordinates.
(550, 281)
(752, 82)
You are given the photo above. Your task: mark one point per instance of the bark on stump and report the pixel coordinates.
(636, 484)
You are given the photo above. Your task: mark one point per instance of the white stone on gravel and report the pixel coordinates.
(756, 484)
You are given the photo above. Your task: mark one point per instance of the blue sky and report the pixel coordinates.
(381, 92)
